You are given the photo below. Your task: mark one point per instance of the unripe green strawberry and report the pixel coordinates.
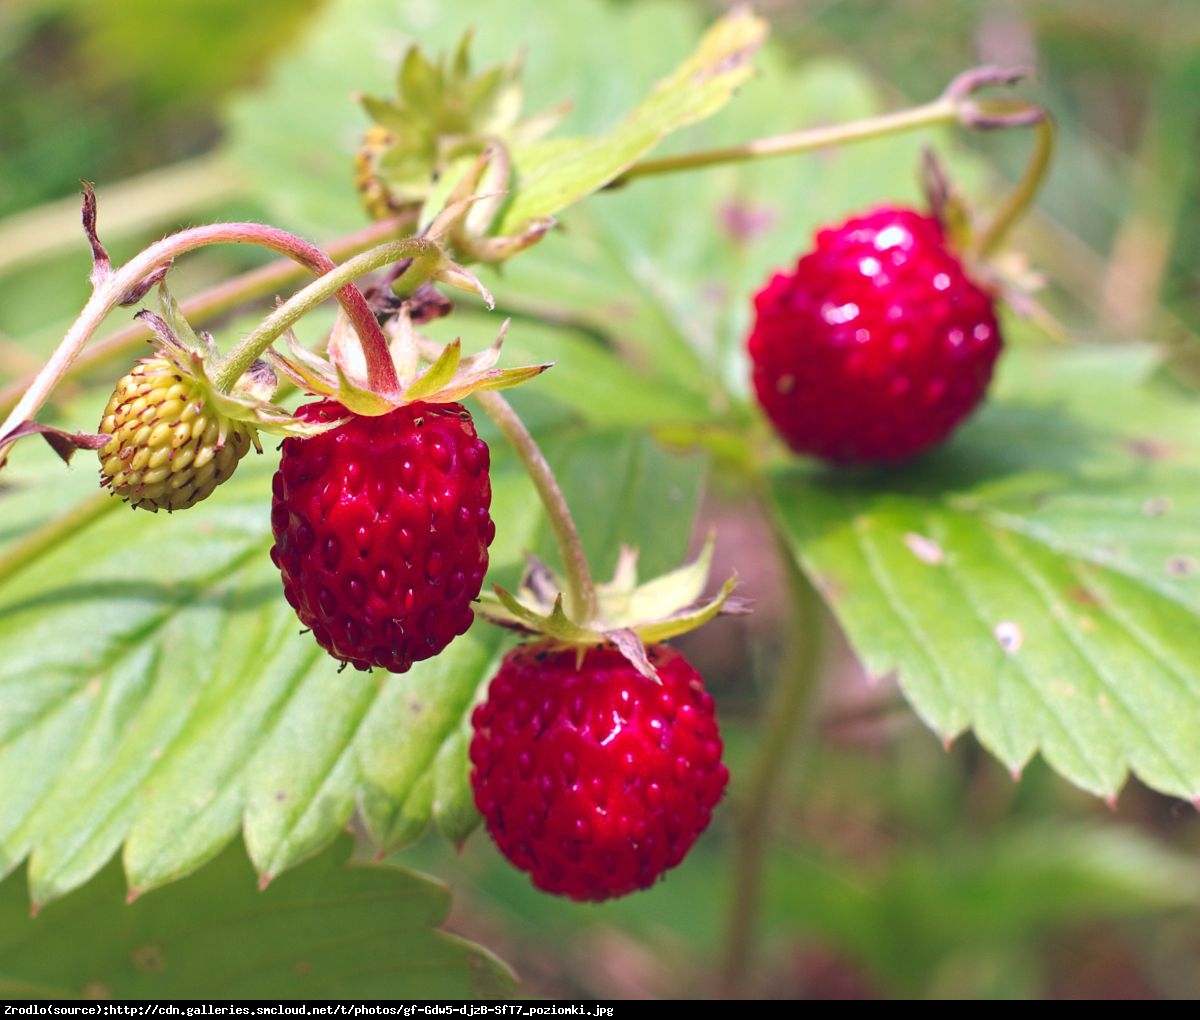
(169, 447)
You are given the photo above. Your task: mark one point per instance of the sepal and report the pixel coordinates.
(629, 615)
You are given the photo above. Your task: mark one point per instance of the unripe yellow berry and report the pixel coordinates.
(169, 449)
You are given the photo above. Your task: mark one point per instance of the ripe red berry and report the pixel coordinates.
(382, 530)
(877, 345)
(595, 779)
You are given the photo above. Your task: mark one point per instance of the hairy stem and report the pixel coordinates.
(109, 294)
(957, 104)
(943, 110)
(1022, 195)
(207, 305)
(142, 203)
(582, 606)
(786, 717)
(334, 282)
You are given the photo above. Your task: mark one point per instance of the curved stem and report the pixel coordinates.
(943, 110)
(785, 717)
(955, 105)
(582, 606)
(334, 282)
(208, 304)
(1019, 199)
(109, 294)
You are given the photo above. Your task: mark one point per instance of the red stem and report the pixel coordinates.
(381, 372)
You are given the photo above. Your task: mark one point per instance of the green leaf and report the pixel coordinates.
(327, 931)
(155, 689)
(554, 174)
(1037, 581)
(297, 138)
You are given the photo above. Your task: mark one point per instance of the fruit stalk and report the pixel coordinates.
(110, 292)
(954, 105)
(940, 111)
(988, 239)
(223, 297)
(581, 606)
(787, 715)
(333, 282)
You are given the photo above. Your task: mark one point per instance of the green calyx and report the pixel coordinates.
(172, 435)
(449, 378)
(443, 115)
(196, 358)
(628, 614)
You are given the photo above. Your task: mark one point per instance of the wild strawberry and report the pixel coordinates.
(382, 529)
(591, 776)
(877, 345)
(170, 446)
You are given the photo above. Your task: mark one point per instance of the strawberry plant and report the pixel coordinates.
(1005, 539)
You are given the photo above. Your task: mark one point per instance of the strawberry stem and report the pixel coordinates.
(112, 287)
(1022, 195)
(954, 105)
(941, 111)
(334, 282)
(215, 301)
(789, 711)
(582, 606)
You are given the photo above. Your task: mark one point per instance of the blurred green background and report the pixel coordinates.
(896, 868)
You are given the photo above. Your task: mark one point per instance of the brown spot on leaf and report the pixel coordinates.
(149, 959)
(1149, 449)
(1182, 566)
(1083, 596)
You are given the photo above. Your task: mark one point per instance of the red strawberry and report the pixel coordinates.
(593, 778)
(878, 344)
(382, 530)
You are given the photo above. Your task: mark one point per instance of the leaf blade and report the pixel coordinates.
(327, 930)
(1032, 598)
